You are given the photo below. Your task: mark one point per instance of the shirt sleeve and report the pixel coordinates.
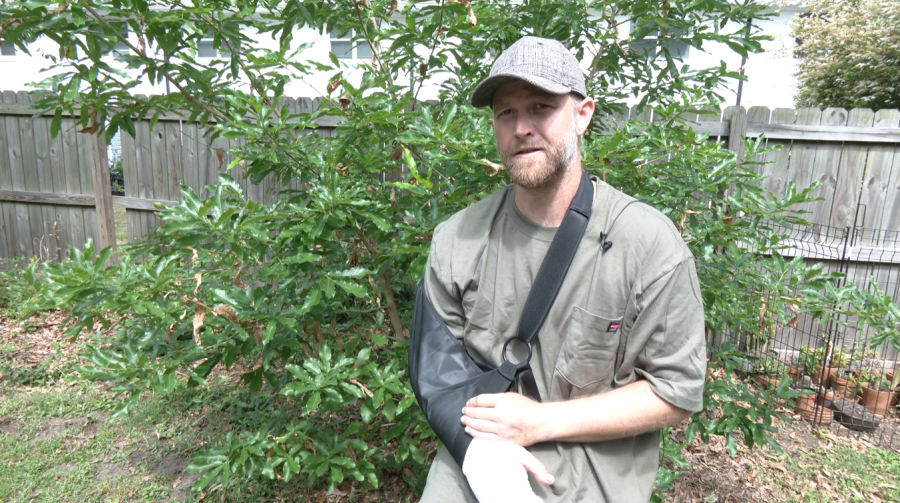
(442, 292)
(666, 343)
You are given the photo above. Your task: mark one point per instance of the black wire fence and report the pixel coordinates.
(854, 388)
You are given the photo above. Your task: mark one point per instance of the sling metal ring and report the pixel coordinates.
(523, 364)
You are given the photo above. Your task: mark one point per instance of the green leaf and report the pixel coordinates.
(56, 123)
(337, 475)
(312, 403)
(352, 288)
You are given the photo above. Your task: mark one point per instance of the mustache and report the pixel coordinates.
(518, 147)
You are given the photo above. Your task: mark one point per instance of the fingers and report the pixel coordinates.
(534, 466)
(486, 400)
(482, 425)
(493, 437)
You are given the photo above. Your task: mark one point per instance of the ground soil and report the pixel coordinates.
(757, 475)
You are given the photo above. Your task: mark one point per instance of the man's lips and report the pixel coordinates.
(527, 151)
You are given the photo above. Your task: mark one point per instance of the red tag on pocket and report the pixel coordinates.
(613, 327)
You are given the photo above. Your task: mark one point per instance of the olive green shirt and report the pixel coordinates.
(631, 312)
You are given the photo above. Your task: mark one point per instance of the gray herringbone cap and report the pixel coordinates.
(542, 62)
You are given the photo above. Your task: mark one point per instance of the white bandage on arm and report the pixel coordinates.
(495, 474)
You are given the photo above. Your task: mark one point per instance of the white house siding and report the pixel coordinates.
(770, 75)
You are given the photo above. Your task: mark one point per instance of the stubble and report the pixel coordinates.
(541, 171)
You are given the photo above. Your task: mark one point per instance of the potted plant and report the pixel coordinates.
(841, 383)
(879, 394)
(808, 362)
(767, 372)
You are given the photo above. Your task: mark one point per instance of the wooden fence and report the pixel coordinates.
(48, 197)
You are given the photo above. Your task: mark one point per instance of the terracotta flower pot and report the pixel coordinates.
(806, 403)
(842, 387)
(794, 373)
(823, 417)
(877, 401)
(821, 375)
(765, 381)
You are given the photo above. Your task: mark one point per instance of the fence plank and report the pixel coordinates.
(8, 228)
(172, 131)
(781, 158)
(828, 159)
(86, 161)
(144, 167)
(62, 214)
(29, 166)
(160, 174)
(189, 156)
(129, 173)
(48, 241)
(803, 153)
(882, 178)
(758, 116)
(850, 173)
(76, 233)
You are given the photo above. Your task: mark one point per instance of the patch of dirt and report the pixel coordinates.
(65, 468)
(169, 466)
(58, 427)
(106, 471)
(10, 425)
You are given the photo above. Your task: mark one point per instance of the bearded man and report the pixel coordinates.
(621, 353)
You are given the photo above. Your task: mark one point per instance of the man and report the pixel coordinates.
(621, 353)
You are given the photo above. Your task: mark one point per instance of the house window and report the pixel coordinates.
(651, 42)
(120, 46)
(206, 47)
(343, 46)
(7, 49)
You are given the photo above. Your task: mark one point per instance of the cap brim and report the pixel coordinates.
(484, 94)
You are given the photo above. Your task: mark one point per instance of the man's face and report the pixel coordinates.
(536, 133)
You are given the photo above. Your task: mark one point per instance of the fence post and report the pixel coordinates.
(106, 227)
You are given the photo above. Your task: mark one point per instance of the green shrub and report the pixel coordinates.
(309, 297)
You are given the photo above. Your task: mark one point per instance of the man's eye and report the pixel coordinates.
(504, 112)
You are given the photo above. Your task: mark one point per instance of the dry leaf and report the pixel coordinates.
(423, 69)
(472, 20)
(225, 311)
(220, 155)
(492, 166)
(333, 85)
(199, 317)
(344, 100)
(199, 278)
(362, 387)
(393, 8)
(397, 153)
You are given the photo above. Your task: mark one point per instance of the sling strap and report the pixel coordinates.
(550, 277)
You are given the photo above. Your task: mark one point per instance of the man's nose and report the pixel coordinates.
(523, 126)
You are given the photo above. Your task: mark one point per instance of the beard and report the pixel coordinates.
(540, 172)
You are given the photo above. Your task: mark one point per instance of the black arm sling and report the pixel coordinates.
(444, 377)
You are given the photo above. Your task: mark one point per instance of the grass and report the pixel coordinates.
(57, 446)
(842, 472)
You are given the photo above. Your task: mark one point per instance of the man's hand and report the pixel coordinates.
(509, 417)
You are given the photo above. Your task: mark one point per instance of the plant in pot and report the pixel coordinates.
(879, 394)
(806, 362)
(841, 383)
(767, 372)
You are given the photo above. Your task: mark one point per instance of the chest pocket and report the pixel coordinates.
(587, 358)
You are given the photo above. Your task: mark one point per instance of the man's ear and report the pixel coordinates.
(584, 113)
